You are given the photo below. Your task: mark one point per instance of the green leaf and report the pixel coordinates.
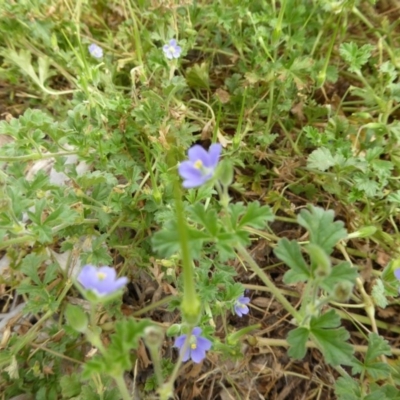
(394, 197)
(323, 230)
(347, 388)
(225, 244)
(206, 217)
(377, 346)
(378, 294)
(354, 55)
(297, 338)
(197, 76)
(43, 233)
(70, 385)
(332, 342)
(339, 273)
(256, 216)
(51, 273)
(62, 214)
(321, 159)
(366, 185)
(30, 265)
(76, 318)
(166, 242)
(90, 179)
(390, 281)
(117, 357)
(126, 337)
(385, 392)
(328, 320)
(235, 211)
(290, 253)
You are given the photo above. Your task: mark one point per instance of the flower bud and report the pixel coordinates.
(174, 330)
(153, 336)
(320, 261)
(342, 291)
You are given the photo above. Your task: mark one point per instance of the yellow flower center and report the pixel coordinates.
(198, 164)
(101, 276)
(193, 346)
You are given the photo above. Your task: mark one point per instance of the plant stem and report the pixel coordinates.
(38, 156)
(122, 387)
(264, 277)
(190, 304)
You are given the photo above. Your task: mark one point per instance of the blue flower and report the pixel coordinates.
(201, 165)
(101, 280)
(197, 348)
(172, 50)
(241, 307)
(95, 51)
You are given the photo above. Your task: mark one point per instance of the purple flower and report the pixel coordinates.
(101, 280)
(241, 307)
(197, 348)
(172, 50)
(95, 51)
(397, 273)
(201, 165)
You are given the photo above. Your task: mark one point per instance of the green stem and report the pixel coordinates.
(155, 356)
(122, 387)
(153, 306)
(190, 303)
(278, 28)
(38, 156)
(263, 276)
(322, 75)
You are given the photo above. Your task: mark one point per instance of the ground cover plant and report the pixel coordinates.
(199, 199)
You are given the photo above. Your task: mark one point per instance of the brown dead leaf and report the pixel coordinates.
(388, 312)
(382, 258)
(142, 355)
(297, 110)
(195, 371)
(261, 302)
(366, 271)
(222, 139)
(168, 289)
(207, 130)
(222, 95)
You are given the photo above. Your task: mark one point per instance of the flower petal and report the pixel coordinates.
(198, 355)
(196, 153)
(188, 184)
(196, 331)
(244, 310)
(179, 341)
(176, 52)
(397, 273)
(243, 300)
(187, 355)
(203, 343)
(238, 311)
(187, 170)
(214, 154)
(108, 272)
(120, 282)
(172, 42)
(87, 277)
